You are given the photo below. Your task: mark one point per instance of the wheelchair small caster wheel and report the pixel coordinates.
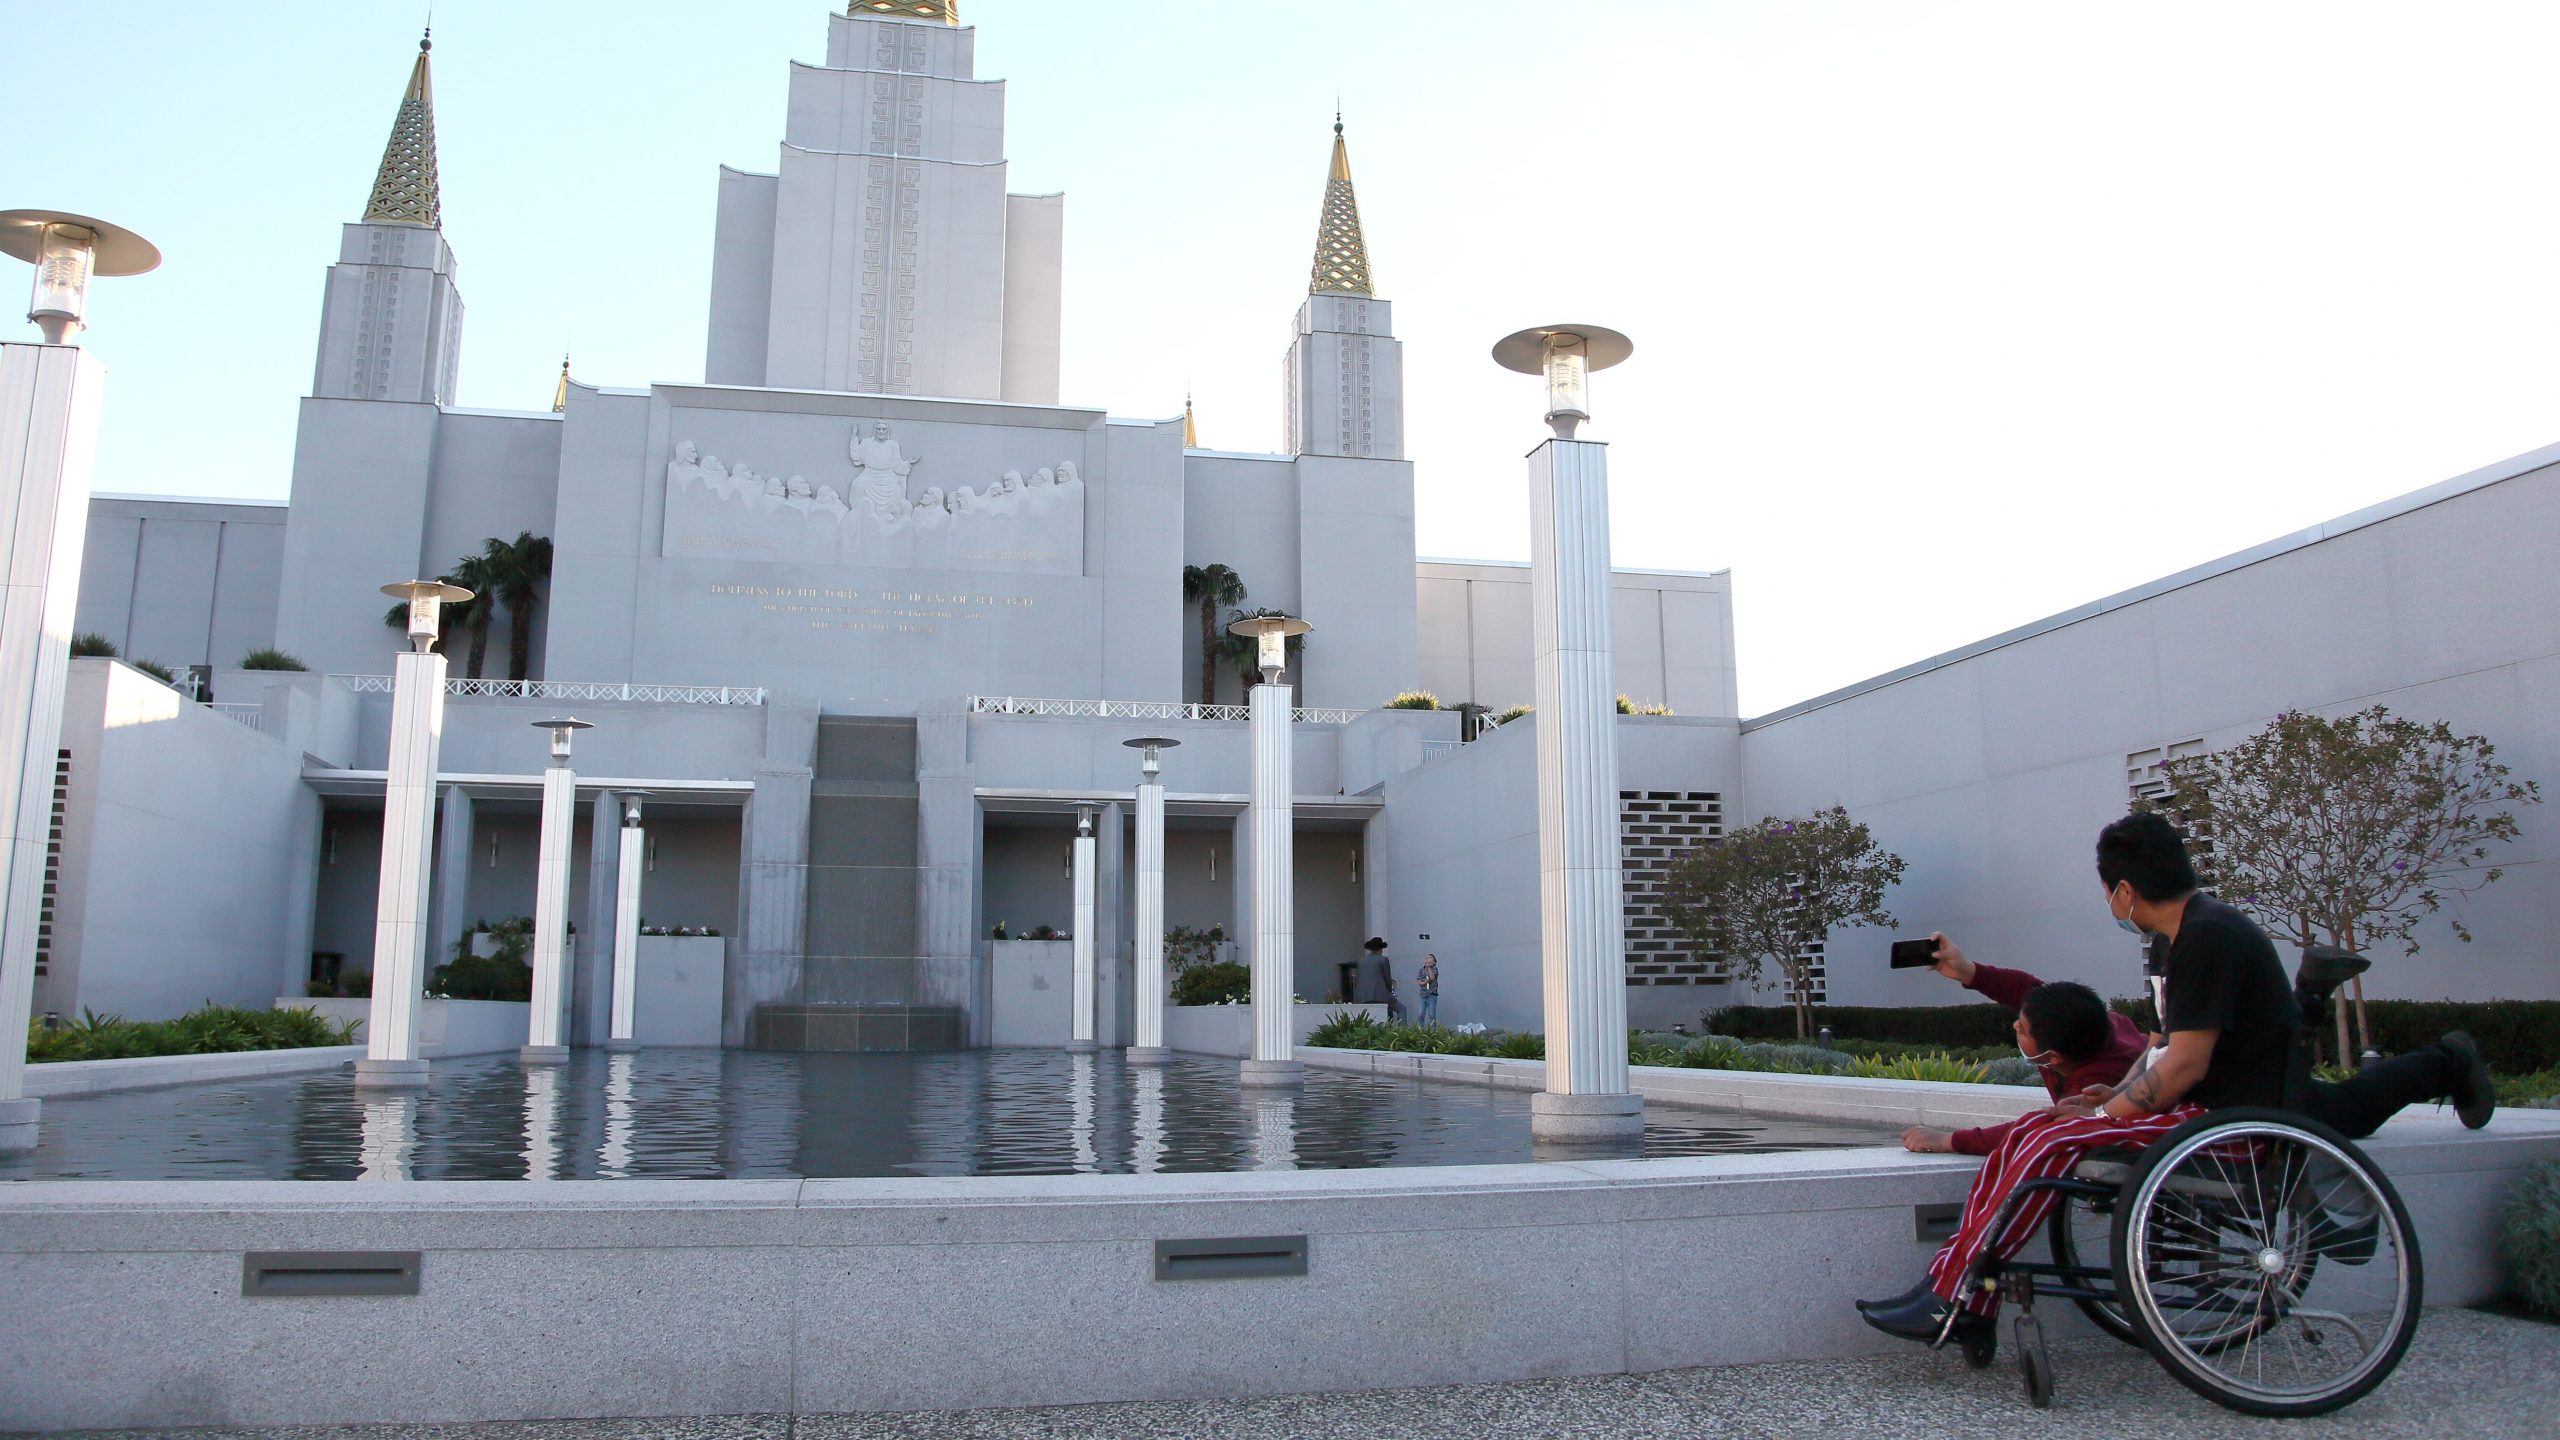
(2035, 1365)
(1979, 1349)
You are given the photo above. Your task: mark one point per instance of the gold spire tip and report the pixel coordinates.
(404, 188)
(1342, 256)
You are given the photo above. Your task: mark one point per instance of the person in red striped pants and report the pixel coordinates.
(2230, 1016)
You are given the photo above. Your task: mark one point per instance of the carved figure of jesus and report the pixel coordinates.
(883, 480)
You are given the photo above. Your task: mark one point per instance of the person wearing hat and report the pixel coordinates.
(1376, 982)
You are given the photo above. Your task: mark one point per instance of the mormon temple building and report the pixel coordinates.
(863, 619)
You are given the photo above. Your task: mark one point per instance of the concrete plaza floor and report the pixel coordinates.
(2479, 1376)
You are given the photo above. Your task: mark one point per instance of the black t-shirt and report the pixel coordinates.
(2223, 975)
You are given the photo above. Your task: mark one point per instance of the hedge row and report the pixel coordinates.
(2517, 1036)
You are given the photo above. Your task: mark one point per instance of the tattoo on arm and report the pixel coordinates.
(2143, 1091)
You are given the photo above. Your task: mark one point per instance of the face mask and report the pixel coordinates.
(2125, 923)
(2038, 1057)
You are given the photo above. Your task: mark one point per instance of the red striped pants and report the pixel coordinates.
(2036, 1148)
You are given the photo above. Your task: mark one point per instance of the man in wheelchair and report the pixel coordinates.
(2231, 1019)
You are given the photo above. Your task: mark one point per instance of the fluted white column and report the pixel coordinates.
(1269, 815)
(49, 397)
(543, 1043)
(1149, 1047)
(400, 906)
(1081, 1027)
(1581, 933)
(621, 1033)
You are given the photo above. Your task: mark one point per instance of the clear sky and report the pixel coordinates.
(1947, 315)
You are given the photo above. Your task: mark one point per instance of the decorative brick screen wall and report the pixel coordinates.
(1655, 828)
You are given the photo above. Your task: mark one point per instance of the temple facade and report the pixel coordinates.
(864, 619)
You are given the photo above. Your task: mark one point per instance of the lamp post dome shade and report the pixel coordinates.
(1566, 355)
(113, 250)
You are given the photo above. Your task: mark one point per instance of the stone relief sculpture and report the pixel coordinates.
(885, 468)
(1029, 523)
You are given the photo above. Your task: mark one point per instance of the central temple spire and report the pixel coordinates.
(1342, 257)
(404, 189)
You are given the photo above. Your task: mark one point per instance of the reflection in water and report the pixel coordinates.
(387, 1139)
(541, 1123)
(1149, 1129)
(1080, 1114)
(1275, 1129)
(614, 1161)
(708, 1114)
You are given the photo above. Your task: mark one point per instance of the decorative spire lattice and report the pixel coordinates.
(560, 397)
(404, 190)
(946, 11)
(1342, 257)
(1190, 430)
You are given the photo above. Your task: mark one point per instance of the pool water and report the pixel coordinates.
(735, 1114)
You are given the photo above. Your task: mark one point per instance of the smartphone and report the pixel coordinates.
(1913, 954)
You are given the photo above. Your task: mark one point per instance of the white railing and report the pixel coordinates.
(575, 690)
(253, 716)
(1143, 710)
(1432, 749)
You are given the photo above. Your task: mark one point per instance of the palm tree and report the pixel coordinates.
(1212, 588)
(517, 570)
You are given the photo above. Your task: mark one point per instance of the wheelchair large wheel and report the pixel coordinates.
(2269, 1265)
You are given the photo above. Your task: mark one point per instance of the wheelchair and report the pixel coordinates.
(2259, 1256)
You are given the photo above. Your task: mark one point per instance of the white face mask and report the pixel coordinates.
(2125, 922)
(2036, 1057)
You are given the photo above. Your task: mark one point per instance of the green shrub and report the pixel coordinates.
(1213, 984)
(1939, 1026)
(267, 657)
(91, 643)
(1518, 1045)
(1940, 1068)
(1505, 717)
(1413, 700)
(2517, 1036)
(155, 670)
(1629, 707)
(2530, 1090)
(212, 1029)
(502, 976)
(2532, 1238)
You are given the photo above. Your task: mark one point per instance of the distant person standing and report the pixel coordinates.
(1376, 984)
(1426, 983)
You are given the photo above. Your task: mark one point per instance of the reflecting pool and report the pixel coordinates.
(737, 1114)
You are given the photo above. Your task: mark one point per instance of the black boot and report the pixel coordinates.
(1916, 1292)
(1922, 1319)
(2471, 1091)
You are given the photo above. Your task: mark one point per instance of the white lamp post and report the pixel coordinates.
(1270, 811)
(626, 925)
(1081, 1023)
(1581, 935)
(1149, 1048)
(49, 400)
(543, 1041)
(408, 841)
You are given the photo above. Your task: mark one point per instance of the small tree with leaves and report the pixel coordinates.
(1764, 895)
(2348, 831)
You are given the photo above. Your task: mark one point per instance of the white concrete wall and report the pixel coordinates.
(182, 582)
(1454, 856)
(741, 279)
(1228, 1029)
(1034, 294)
(1991, 770)
(183, 834)
(1672, 636)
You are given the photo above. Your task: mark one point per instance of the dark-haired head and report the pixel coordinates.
(2067, 1018)
(2146, 850)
